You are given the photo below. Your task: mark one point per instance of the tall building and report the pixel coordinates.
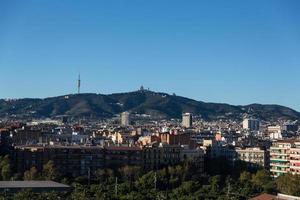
(285, 157)
(187, 121)
(290, 127)
(125, 119)
(251, 124)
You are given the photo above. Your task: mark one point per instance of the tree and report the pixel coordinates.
(262, 181)
(146, 181)
(49, 172)
(6, 172)
(289, 184)
(24, 195)
(245, 187)
(80, 193)
(50, 195)
(130, 173)
(5, 168)
(186, 189)
(103, 175)
(245, 177)
(31, 174)
(261, 178)
(215, 184)
(4, 161)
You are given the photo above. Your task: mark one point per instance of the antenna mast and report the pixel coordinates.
(79, 84)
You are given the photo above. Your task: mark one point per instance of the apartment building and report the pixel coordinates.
(254, 157)
(285, 157)
(251, 124)
(79, 160)
(295, 158)
(125, 119)
(177, 139)
(275, 132)
(75, 160)
(69, 160)
(159, 155)
(187, 120)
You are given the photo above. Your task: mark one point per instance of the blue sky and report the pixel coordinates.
(234, 51)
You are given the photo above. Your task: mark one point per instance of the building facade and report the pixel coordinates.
(294, 157)
(69, 160)
(125, 120)
(284, 157)
(254, 157)
(251, 124)
(75, 161)
(158, 155)
(187, 120)
(275, 132)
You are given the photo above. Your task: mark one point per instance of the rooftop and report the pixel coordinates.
(265, 197)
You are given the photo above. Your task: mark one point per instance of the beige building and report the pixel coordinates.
(253, 156)
(187, 120)
(125, 121)
(160, 155)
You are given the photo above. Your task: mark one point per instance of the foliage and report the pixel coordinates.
(49, 172)
(184, 181)
(5, 168)
(289, 184)
(31, 174)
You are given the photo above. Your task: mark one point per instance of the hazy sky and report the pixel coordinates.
(232, 51)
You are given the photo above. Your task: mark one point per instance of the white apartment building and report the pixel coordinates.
(274, 132)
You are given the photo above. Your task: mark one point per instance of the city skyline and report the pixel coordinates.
(229, 52)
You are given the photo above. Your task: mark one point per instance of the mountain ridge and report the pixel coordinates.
(156, 104)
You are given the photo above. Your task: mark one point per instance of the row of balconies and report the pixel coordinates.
(279, 165)
(278, 169)
(278, 153)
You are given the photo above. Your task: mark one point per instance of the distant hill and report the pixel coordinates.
(142, 102)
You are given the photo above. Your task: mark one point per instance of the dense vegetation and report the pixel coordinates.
(146, 102)
(182, 182)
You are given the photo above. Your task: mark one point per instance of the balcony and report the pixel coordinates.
(279, 159)
(278, 171)
(297, 156)
(295, 167)
(295, 149)
(278, 153)
(279, 165)
(278, 148)
(295, 161)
